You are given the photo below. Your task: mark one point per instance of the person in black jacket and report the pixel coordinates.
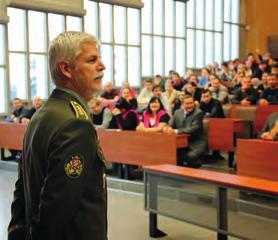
(211, 107)
(18, 111)
(61, 189)
(37, 103)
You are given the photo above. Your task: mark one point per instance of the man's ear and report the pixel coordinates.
(65, 68)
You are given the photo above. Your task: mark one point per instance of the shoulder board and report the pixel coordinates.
(79, 110)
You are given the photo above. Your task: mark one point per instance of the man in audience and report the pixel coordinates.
(101, 116)
(218, 91)
(145, 94)
(270, 129)
(157, 93)
(159, 82)
(37, 103)
(246, 94)
(110, 95)
(189, 120)
(18, 111)
(270, 94)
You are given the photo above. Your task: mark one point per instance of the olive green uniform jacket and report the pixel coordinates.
(61, 190)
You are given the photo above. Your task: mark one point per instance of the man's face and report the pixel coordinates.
(215, 83)
(246, 82)
(87, 72)
(157, 92)
(108, 87)
(175, 77)
(37, 102)
(272, 81)
(148, 86)
(264, 78)
(206, 97)
(17, 104)
(188, 104)
(96, 108)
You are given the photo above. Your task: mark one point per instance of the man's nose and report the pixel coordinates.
(101, 66)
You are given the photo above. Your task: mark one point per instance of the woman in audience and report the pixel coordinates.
(126, 94)
(170, 93)
(195, 92)
(155, 118)
(126, 85)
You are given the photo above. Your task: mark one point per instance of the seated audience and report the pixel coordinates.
(264, 83)
(145, 94)
(270, 94)
(189, 120)
(246, 94)
(158, 81)
(126, 94)
(177, 81)
(270, 129)
(178, 102)
(101, 116)
(126, 85)
(109, 96)
(204, 79)
(157, 93)
(187, 77)
(170, 93)
(211, 107)
(194, 91)
(18, 111)
(125, 117)
(155, 118)
(218, 91)
(37, 103)
(225, 73)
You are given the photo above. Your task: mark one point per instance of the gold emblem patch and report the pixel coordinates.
(74, 166)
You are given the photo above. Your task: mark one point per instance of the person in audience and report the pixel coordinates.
(145, 94)
(251, 60)
(177, 81)
(100, 115)
(125, 117)
(270, 94)
(196, 92)
(264, 83)
(157, 93)
(246, 94)
(225, 74)
(158, 81)
(110, 95)
(204, 79)
(249, 70)
(178, 102)
(188, 75)
(274, 68)
(126, 85)
(189, 120)
(194, 79)
(61, 188)
(155, 118)
(263, 68)
(218, 91)
(170, 93)
(18, 111)
(211, 106)
(215, 69)
(126, 94)
(270, 129)
(37, 103)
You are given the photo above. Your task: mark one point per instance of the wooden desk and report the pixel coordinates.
(137, 148)
(257, 158)
(11, 135)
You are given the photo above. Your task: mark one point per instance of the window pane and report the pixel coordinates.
(209, 48)
(56, 25)
(190, 13)
(190, 48)
(209, 14)
(235, 11)
(38, 75)
(119, 24)
(158, 17)
(147, 56)
(147, 17)
(227, 10)
(169, 17)
(2, 90)
(134, 66)
(74, 23)
(235, 41)
(120, 65)
(17, 29)
(107, 58)
(180, 19)
(218, 48)
(133, 26)
(18, 83)
(169, 55)
(218, 17)
(105, 22)
(158, 55)
(91, 18)
(180, 56)
(227, 42)
(200, 50)
(37, 31)
(200, 18)
(2, 45)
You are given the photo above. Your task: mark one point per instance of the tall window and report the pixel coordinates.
(29, 35)
(3, 95)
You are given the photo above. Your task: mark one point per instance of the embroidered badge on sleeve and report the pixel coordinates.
(74, 166)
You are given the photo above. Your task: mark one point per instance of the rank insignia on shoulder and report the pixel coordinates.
(79, 110)
(74, 166)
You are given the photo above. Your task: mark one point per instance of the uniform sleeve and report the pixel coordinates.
(62, 191)
(17, 227)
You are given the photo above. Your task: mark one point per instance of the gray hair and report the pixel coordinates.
(66, 46)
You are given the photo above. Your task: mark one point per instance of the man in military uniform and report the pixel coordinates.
(61, 190)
